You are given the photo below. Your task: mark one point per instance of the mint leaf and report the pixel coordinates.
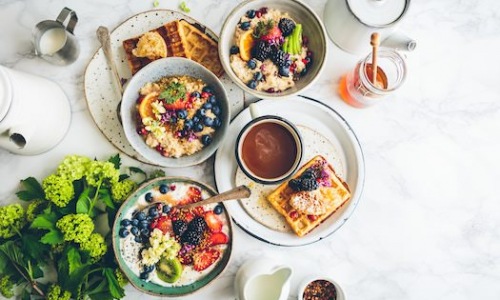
(45, 221)
(114, 287)
(116, 160)
(173, 92)
(53, 237)
(33, 190)
(83, 202)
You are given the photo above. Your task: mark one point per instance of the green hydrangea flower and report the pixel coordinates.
(73, 167)
(34, 209)
(120, 190)
(122, 280)
(95, 245)
(6, 287)
(101, 171)
(11, 220)
(58, 189)
(55, 292)
(76, 227)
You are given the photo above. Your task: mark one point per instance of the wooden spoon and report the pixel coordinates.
(375, 42)
(239, 192)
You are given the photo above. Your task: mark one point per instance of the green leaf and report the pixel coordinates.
(156, 173)
(83, 202)
(53, 237)
(31, 247)
(173, 92)
(75, 281)
(45, 221)
(105, 196)
(25, 295)
(137, 170)
(114, 287)
(12, 252)
(33, 190)
(116, 160)
(74, 260)
(123, 177)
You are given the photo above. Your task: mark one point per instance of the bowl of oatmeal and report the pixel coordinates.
(273, 49)
(175, 112)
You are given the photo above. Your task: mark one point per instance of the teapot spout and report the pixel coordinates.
(399, 41)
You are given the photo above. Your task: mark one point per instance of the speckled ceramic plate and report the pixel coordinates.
(326, 133)
(125, 249)
(100, 92)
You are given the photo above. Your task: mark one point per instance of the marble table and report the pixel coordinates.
(428, 224)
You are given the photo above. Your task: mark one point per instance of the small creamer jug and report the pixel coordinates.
(34, 113)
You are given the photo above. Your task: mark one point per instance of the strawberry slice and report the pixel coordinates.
(273, 34)
(204, 258)
(218, 238)
(177, 105)
(193, 194)
(213, 222)
(198, 211)
(163, 223)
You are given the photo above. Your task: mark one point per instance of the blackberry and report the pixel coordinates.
(198, 224)
(191, 237)
(295, 184)
(286, 26)
(309, 173)
(280, 58)
(309, 184)
(262, 51)
(179, 227)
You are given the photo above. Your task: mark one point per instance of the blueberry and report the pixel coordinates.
(245, 25)
(252, 64)
(145, 231)
(198, 127)
(141, 216)
(163, 188)
(217, 123)
(212, 99)
(135, 222)
(303, 72)
(216, 110)
(201, 112)
(149, 197)
(257, 76)
(218, 209)
(208, 121)
(207, 105)
(183, 132)
(125, 222)
(207, 89)
(188, 124)
(173, 120)
(149, 218)
(143, 224)
(181, 114)
(197, 94)
(134, 230)
(144, 275)
(234, 50)
(252, 84)
(206, 139)
(251, 14)
(123, 232)
(284, 71)
(149, 268)
(166, 209)
(152, 211)
(196, 119)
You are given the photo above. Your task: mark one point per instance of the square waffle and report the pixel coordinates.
(183, 40)
(332, 198)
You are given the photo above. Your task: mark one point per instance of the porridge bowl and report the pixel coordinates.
(273, 49)
(175, 112)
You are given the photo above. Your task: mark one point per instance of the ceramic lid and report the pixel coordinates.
(5, 93)
(378, 13)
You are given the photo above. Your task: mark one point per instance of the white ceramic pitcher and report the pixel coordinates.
(34, 113)
(262, 279)
(350, 23)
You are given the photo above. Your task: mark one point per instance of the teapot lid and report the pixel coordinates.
(378, 13)
(5, 93)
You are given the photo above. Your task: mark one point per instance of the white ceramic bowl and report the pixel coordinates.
(311, 278)
(171, 66)
(312, 28)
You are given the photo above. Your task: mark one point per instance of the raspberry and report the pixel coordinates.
(262, 50)
(286, 26)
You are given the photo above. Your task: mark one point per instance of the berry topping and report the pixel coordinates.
(234, 50)
(257, 76)
(218, 238)
(309, 184)
(284, 71)
(123, 232)
(125, 222)
(262, 50)
(206, 139)
(286, 26)
(250, 14)
(280, 58)
(163, 223)
(191, 237)
(163, 189)
(245, 25)
(148, 197)
(218, 209)
(252, 84)
(213, 222)
(205, 258)
(252, 64)
(273, 35)
(198, 224)
(207, 121)
(179, 227)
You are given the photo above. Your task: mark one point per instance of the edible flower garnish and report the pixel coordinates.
(173, 92)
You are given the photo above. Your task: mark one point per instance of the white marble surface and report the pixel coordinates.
(428, 225)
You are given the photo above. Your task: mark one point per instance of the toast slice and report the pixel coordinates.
(305, 210)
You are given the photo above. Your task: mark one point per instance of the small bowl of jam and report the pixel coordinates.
(320, 288)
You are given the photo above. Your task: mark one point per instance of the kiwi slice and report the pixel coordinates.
(169, 270)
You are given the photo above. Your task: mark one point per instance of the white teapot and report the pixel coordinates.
(350, 23)
(34, 113)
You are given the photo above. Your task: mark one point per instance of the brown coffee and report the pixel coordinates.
(269, 150)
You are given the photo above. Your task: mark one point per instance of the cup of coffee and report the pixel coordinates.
(269, 148)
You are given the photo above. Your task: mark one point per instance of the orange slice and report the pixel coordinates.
(145, 108)
(246, 44)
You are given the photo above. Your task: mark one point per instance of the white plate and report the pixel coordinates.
(312, 114)
(100, 92)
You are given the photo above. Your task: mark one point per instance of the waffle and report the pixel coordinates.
(332, 198)
(183, 40)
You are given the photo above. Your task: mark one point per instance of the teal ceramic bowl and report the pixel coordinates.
(123, 251)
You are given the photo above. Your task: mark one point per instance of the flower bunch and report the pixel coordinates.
(11, 220)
